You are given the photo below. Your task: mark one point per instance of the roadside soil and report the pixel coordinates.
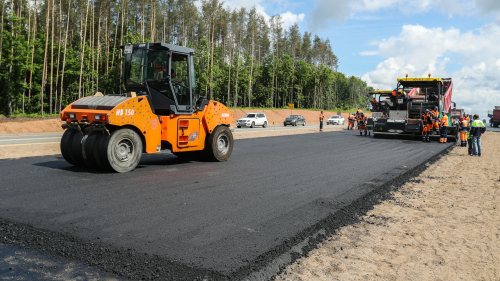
(38, 125)
(441, 225)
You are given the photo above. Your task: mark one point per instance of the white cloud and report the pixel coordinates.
(289, 18)
(418, 51)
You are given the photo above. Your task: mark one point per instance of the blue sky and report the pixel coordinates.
(381, 40)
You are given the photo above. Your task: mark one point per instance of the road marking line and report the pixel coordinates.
(28, 143)
(31, 139)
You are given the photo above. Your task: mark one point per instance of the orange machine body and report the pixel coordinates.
(182, 132)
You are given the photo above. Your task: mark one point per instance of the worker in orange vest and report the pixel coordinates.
(358, 112)
(362, 124)
(467, 118)
(435, 120)
(321, 117)
(350, 125)
(444, 128)
(426, 122)
(462, 127)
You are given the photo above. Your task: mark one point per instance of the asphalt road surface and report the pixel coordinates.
(197, 220)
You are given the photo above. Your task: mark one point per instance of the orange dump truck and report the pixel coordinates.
(159, 111)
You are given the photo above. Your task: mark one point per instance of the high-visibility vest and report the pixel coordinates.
(444, 120)
(435, 115)
(463, 125)
(320, 117)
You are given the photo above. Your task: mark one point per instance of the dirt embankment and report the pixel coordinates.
(30, 126)
(25, 125)
(442, 225)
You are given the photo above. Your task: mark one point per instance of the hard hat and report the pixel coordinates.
(427, 110)
(435, 107)
(444, 111)
(362, 112)
(461, 118)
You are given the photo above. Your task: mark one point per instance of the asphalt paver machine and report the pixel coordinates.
(161, 110)
(404, 113)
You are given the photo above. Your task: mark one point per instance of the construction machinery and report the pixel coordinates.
(410, 100)
(494, 117)
(161, 110)
(383, 100)
(456, 114)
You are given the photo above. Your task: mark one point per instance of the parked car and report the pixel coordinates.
(335, 120)
(251, 120)
(295, 120)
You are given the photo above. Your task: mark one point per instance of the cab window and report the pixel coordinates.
(180, 78)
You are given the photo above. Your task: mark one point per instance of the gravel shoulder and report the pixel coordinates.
(440, 225)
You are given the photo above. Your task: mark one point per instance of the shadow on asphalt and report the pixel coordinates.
(163, 159)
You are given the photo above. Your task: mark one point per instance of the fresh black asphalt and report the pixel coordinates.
(171, 219)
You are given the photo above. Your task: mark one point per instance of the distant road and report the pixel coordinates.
(29, 138)
(45, 138)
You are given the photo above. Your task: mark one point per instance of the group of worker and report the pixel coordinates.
(430, 122)
(360, 118)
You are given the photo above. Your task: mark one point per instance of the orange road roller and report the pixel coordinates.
(160, 111)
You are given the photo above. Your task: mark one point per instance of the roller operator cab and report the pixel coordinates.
(402, 115)
(160, 110)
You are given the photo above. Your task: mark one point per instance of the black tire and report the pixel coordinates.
(253, 124)
(238, 126)
(303, 124)
(101, 153)
(284, 124)
(123, 150)
(91, 149)
(219, 144)
(77, 149)
(66, 140)
(265, 124)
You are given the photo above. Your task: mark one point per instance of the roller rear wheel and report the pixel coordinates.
(219, 144)
(66, 140)
(123, 150)
(91, 149)
(77, 149)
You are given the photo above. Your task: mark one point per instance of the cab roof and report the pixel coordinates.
(417, 82)
(385, 92)
(163, 46)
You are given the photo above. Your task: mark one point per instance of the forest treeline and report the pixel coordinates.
(55, 51)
